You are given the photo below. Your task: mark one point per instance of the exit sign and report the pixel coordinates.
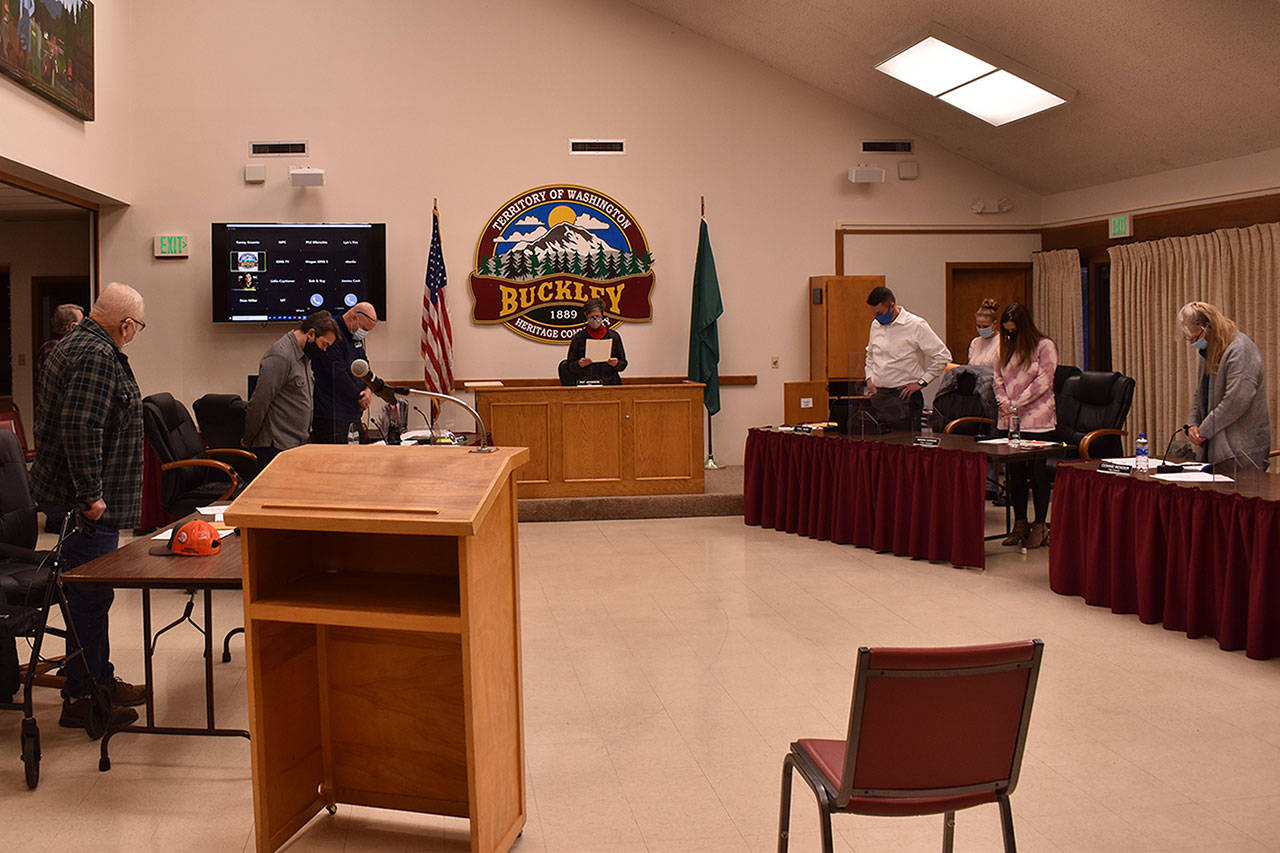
(1121, 226)
(171, 245)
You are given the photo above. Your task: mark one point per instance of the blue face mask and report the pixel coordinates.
(886, 318)
(987, 331)
(1202, 345)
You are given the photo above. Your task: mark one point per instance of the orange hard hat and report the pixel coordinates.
(195, 539)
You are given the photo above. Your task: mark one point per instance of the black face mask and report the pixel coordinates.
(1010, 335)
(312, 350)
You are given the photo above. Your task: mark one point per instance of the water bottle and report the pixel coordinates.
(353, 434)
(1141, 453)
(926, 422)
(1015, 428)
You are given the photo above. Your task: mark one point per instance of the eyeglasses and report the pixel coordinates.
(141, 325)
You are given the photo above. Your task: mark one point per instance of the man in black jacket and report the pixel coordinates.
(88, 432)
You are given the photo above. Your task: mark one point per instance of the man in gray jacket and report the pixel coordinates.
(279, 413)
(1229, 420)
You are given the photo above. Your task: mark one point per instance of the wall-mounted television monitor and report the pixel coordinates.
(281, 272)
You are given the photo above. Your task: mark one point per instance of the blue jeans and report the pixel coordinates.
(90, 605)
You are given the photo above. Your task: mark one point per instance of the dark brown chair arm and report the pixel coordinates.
(1088, 438)
(1273, 454)
(958, 423)
(231, 451)
(207, 463)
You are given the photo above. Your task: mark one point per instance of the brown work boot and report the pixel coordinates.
(1038, 535)
(1018, 535)
(75, 715)
(124, 693)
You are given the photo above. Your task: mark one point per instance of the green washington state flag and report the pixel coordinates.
(704, 343)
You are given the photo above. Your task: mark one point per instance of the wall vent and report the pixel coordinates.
(278, 149)
(597, 146)
(887, 146)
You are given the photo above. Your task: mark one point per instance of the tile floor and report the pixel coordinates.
(668, 663)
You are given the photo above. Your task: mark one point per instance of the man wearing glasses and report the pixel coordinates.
(341, 398)
(88, 432)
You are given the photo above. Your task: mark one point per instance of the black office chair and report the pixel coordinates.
(29, 589)
(966, 403)
(221, 421)
(1092, 407)
(567, 377)
(190, 478)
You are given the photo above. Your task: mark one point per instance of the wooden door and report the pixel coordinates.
(970, 283)
(839, 325)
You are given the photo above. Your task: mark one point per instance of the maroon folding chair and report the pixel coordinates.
(931, 731)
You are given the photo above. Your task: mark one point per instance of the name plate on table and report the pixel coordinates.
(927, 441)
(1105, 467)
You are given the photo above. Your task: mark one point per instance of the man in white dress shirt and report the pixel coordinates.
(903, 356)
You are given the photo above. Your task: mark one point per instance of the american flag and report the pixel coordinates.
(437, 336)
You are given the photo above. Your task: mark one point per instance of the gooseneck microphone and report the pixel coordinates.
(360, 369)
(1163, 468)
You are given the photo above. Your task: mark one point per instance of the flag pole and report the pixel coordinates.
(711, 453)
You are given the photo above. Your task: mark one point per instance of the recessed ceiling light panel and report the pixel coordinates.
(1001, 97)
(934, 66)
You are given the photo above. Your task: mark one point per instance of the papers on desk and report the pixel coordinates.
(1132, 461)
(1194, 477)
(216, 511)
(164, 535)
(599, 350)
(1026, 442)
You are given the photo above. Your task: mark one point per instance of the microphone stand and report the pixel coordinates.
(484, 432)
(1164, 467)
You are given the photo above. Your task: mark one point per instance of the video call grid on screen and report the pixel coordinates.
(283, 272)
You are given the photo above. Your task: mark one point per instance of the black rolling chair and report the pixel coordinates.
(221, 421)
(190, 478)
(1092, 407)
(30, 587)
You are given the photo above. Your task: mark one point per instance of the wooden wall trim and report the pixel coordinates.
(29, 186)
(726, 379)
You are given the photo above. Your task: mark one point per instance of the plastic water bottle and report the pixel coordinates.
(1015, 428)
(353, 434)
(1142, 453)
(926, 422)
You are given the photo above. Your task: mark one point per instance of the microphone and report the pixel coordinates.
(360, 369)
(1163, 468)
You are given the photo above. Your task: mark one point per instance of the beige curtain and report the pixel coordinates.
(1056, 300)
(1237, 269)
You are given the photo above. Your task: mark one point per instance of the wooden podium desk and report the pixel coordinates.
(594, 440)
(382, 631)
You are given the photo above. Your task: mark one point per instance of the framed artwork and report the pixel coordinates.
(47, 46)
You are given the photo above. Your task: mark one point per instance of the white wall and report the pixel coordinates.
(472, 103)
(89, 158)
(32, 249)
(1254, 174)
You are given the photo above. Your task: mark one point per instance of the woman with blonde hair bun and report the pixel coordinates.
(1229, 422)
(984, 349)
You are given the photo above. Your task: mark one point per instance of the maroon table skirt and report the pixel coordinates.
(924, 502)
(1196, 560)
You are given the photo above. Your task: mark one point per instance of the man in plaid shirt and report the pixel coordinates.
(88, 432)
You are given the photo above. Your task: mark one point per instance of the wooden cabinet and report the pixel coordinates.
(601, 440)
(382, 632)
(838, 325)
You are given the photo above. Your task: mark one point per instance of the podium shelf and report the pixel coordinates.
(390, 600)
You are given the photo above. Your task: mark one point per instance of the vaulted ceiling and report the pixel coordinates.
(1161, 84)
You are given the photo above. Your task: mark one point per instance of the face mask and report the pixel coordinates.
(1010, 335)
(311, 349)
(886, 318)
(1202, 345)
(986, 332)
(595, 322)
(360, 334)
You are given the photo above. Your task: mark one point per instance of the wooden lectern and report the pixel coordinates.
(382, 630)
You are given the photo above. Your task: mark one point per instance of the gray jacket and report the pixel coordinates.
(279, 413)
(1237, 424)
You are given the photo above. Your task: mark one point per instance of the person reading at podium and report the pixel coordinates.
(1229, 424)
(580, 368)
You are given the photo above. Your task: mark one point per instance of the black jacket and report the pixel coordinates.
(601, 372)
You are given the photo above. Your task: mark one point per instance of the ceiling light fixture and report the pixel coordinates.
(994, 89)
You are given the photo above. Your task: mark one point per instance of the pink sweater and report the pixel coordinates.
(1030, 388)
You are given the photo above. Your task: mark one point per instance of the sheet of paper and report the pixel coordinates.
(1194, 477)
(1132, 460)
(994, 441)
(164, 535)
(216, 511)
(601, 350)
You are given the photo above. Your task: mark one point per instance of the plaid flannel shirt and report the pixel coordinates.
(88, 428)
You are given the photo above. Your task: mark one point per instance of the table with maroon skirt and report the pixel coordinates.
(1199, 558)
(880, 492)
